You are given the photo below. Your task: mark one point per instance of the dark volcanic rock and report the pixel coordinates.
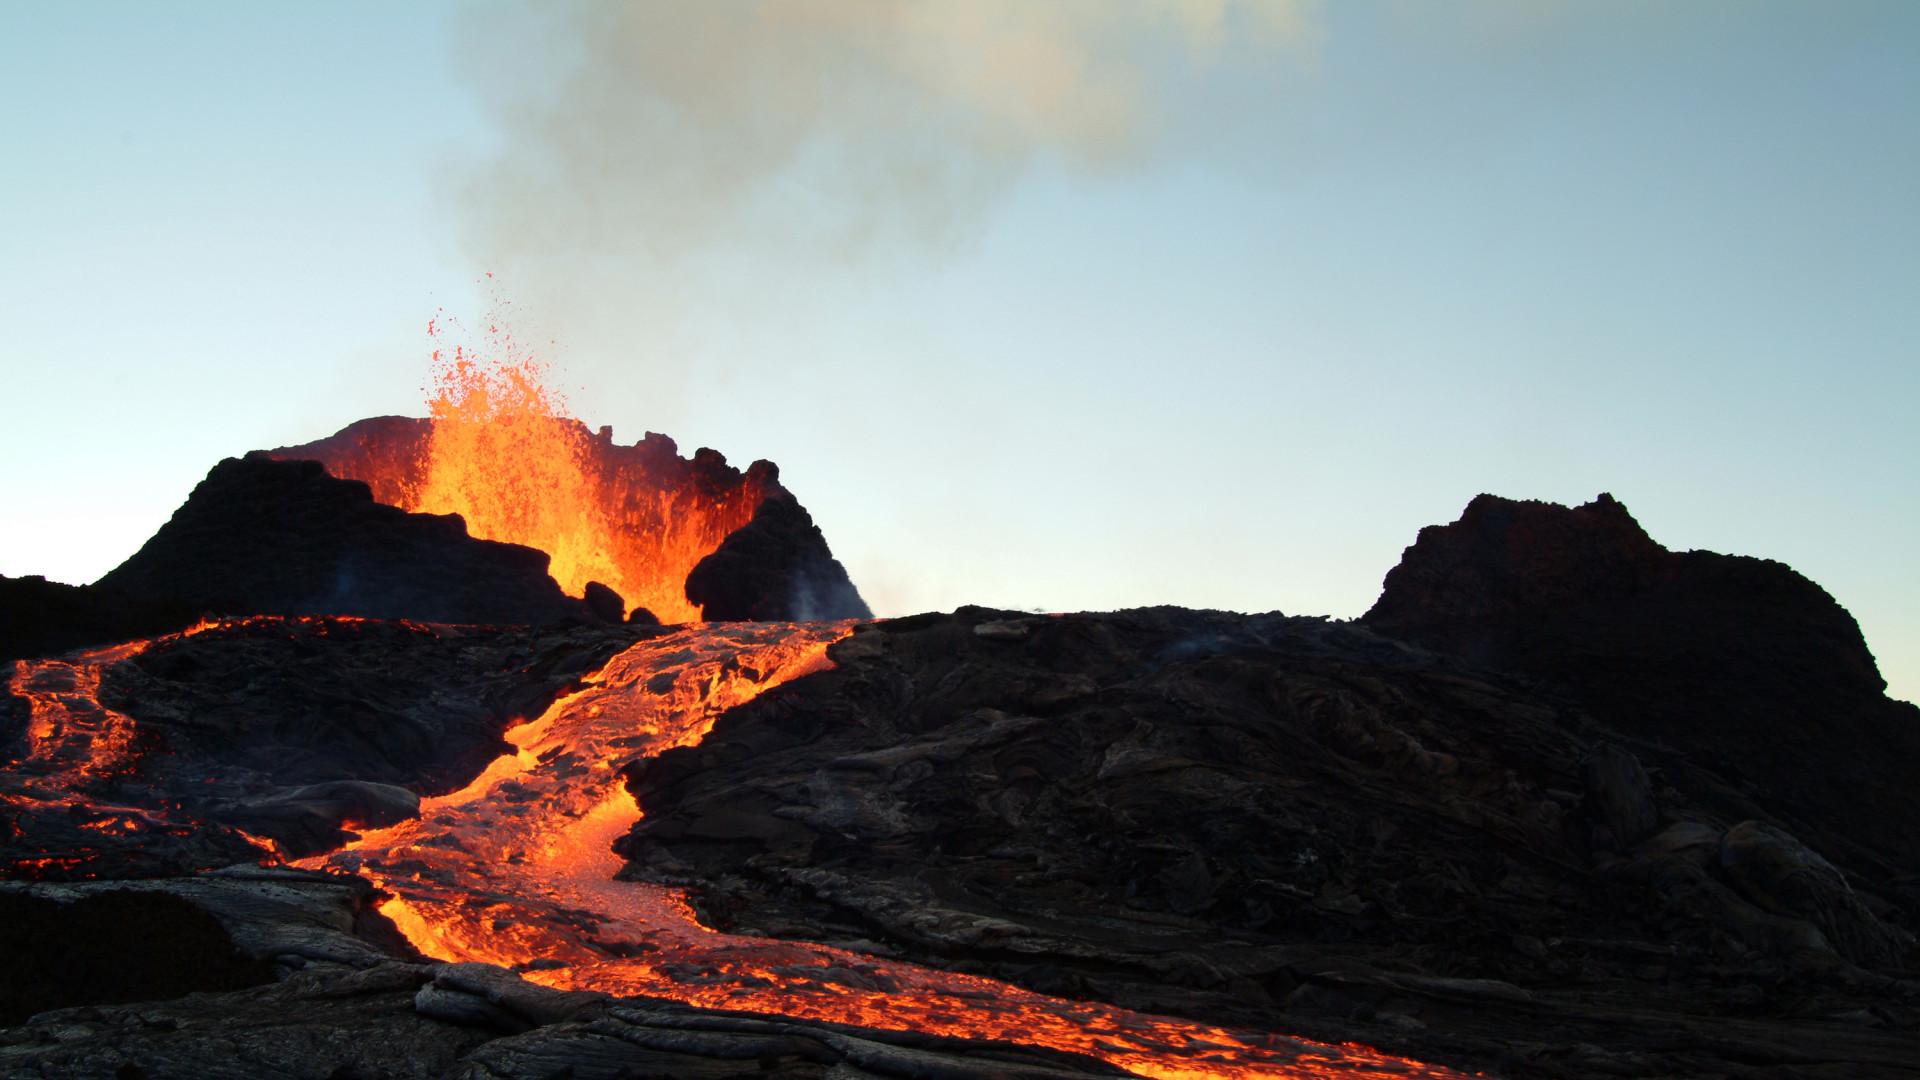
(1277, 822)
(113, 946)
(335, 992)
(326, 1023)
(607, 606)
(1567, 805)
(1740, 665)
(379, 446)
(41, 618)
(1782, 875)
(260, 536)
(776, 568)
(398, 1020)
(100, 942)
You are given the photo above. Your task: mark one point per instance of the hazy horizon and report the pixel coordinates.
(1078, 306)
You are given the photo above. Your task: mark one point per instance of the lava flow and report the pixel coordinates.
(77, 747)
(517, 869)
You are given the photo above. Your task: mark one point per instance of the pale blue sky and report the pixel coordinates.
(1416, 252)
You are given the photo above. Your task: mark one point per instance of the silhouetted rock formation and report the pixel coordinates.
(41, 618)
(1737, 664)
(775, 568)
(260, 536)
(1288, 823)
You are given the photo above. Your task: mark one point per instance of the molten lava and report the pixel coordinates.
(501, 451)
(517, 869)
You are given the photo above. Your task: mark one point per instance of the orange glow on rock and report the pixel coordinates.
(503, 453)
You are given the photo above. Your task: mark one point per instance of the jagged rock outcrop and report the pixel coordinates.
(260, 536)
(1737, 664)
(1276, 822)
(776, 568)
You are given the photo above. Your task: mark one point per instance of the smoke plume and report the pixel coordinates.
(649, 128)
(634, 136)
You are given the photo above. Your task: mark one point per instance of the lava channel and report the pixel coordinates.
(517, 869)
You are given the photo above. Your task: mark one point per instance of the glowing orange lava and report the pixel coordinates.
(503, 453)
(71, 737)
(517, 869)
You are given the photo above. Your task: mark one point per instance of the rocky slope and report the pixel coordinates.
(260, 536)
(775, 568)
(1736, 665)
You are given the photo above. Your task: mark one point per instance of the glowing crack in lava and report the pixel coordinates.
(517, 869)
(502, 451)
(74, 743)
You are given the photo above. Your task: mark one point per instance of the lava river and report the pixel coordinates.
(517, 869)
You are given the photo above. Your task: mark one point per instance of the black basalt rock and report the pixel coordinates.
(1742, 664)
(41, 618)
(112, 946)
(777, 567)
(260, 536)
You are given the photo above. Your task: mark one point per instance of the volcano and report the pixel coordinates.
(684, 539)
(481, 745)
